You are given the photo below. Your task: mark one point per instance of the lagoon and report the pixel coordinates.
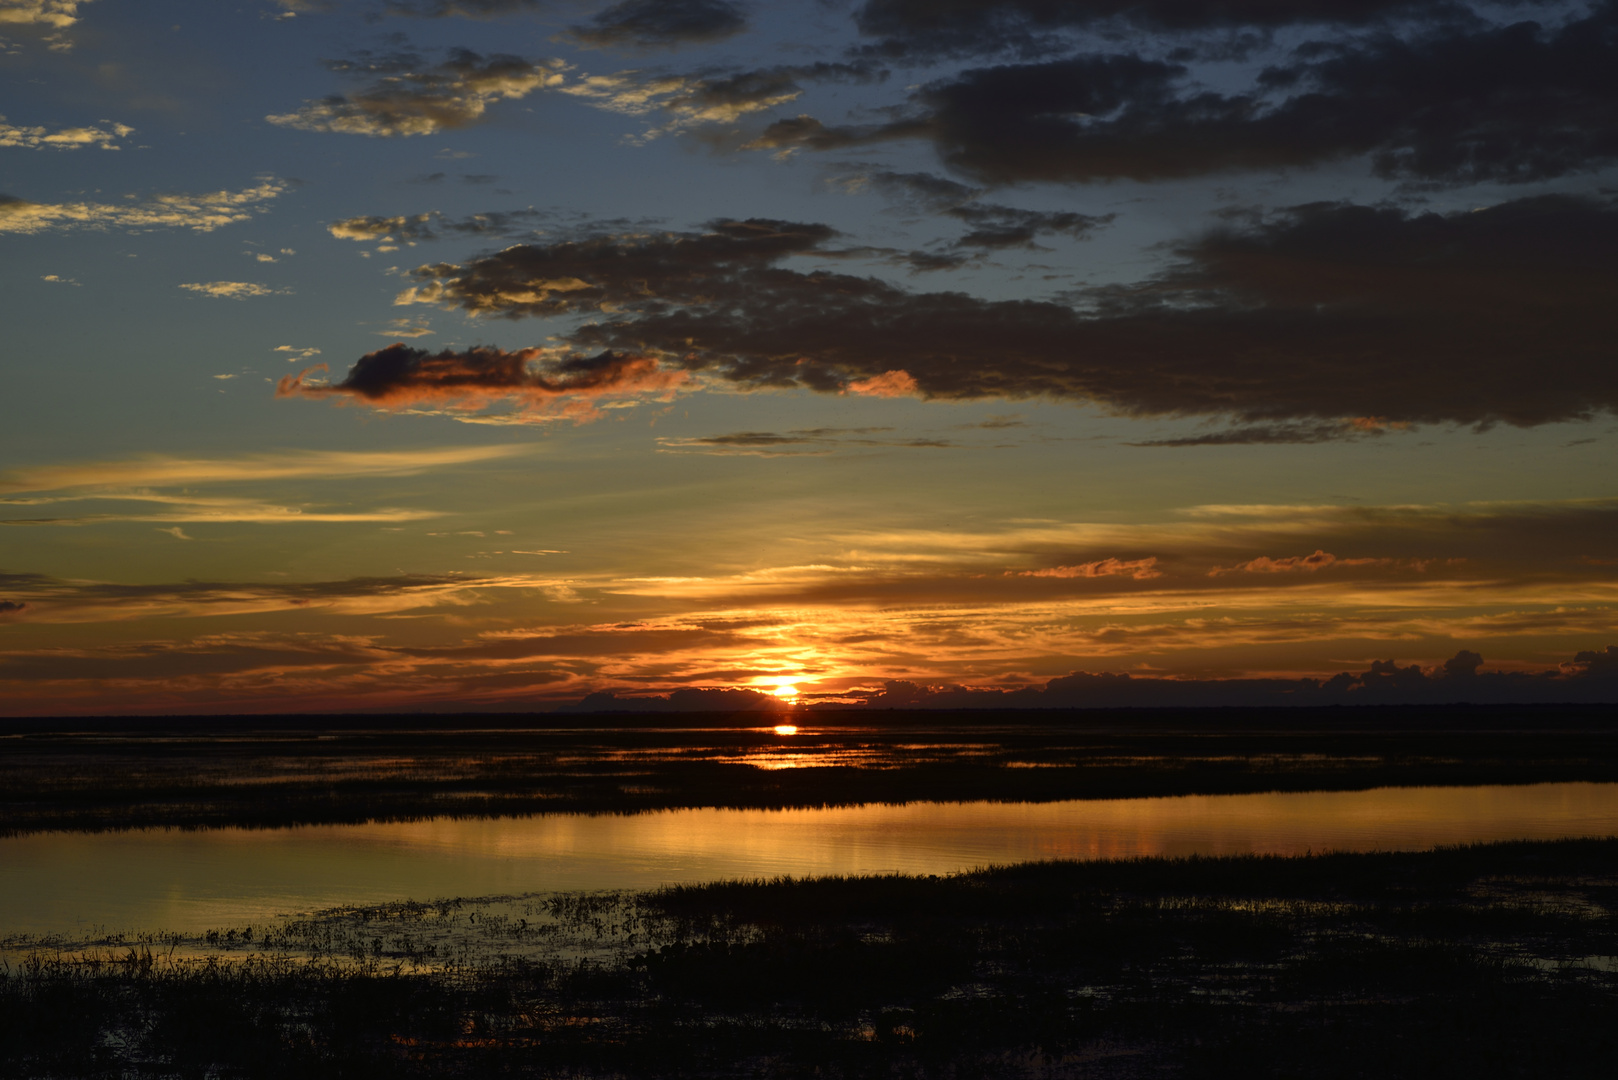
(85, 883)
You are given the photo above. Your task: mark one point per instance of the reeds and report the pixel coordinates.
(1465, 962)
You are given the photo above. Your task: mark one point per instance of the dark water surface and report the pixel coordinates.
(78, 882)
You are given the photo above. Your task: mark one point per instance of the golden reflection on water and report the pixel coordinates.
(187, 879)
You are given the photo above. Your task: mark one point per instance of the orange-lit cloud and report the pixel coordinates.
(542, 385)
(936, 609)
(407, 96)
(1320, 560)
(889, 384)
(1139, 569)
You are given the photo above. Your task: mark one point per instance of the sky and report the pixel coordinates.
(512, 354)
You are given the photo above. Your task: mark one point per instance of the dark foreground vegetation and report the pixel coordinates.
(1474, 962)
(256, 771)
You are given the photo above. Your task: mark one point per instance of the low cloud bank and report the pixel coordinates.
(1590, 677)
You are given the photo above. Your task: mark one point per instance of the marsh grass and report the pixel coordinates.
(1491, 960)
(266, 772)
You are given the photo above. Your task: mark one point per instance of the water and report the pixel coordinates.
(74, 882)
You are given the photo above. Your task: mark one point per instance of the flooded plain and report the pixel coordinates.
(73, 883)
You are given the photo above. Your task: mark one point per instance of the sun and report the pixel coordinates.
(785, 690)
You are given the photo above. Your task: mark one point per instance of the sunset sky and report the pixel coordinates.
(487, 354)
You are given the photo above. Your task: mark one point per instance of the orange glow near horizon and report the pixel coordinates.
(786, 729)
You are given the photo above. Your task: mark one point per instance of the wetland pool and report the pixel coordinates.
(82, 883)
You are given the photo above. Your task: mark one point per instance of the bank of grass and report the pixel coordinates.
(270, 772)
(1492, 960)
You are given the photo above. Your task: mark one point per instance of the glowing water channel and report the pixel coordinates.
(73, 882)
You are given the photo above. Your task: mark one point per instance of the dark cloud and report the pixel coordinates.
(995, 226)
(464, 9)
(804, 132)
(688, 699)
(923, 262)
(1329, 312)
(926, 189)
(1593, 664)
(1278, 434)
(661, 23)
(472, 378)
(931, 29)
(793, 443)
(1458, 104)
(773, 82)
(992, 225)
(406, 95)
(12, 607)
(608, 272)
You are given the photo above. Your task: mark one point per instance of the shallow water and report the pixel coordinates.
(73, 882)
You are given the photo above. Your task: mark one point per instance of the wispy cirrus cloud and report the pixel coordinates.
(202, 213)
(406, 328)
(50, 599)
(408, 96)
(163, 471)
(194, 509)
